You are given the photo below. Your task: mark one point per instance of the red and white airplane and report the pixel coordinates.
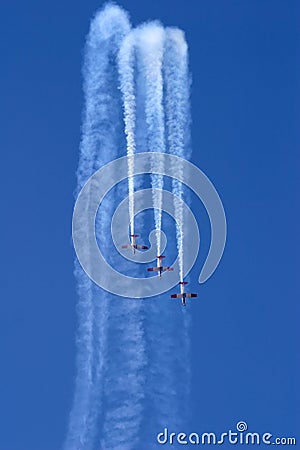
(134, 246)
(160, 268)
(183, 295)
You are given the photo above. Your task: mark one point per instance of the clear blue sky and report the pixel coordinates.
(245, 336)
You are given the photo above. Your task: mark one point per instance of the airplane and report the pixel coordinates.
(183, 295)
(133, 245)
(160, 268)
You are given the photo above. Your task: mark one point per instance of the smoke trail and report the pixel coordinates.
(124, 381)
(129, 354)
(126, 74)
(124, 401)
(107, 29)
(177, 84)
(167, 377)
(150, 43)
(177, 117)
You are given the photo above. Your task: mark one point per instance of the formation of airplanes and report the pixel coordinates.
(160, 269)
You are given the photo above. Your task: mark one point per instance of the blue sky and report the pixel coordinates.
(245, 333)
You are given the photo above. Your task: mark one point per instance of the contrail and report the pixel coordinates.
(127, 85)
(124, 401)
(124, 387)
(176, 79)
(150, 44)
(132, 360)
(177, 107)
(168, 379)
(98, 146)
(112, 412)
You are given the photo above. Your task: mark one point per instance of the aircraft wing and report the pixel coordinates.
(126, 246)
(153, 269)
(168, 268)
(142, 247)
(186, 295)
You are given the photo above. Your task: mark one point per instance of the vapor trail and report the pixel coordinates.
(177, 106)
(127, 85)
(167, 379)
(124, 381)
(97, 147)
(177, 118)
(150, 43)
(130, 353)
(124, 373)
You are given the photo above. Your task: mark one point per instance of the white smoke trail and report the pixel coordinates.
(119, 368)
(177, 117)
(177, 91)
(124, 400)
(167, 378)
(127, 85)
(107, 29)
(124, 381)
(150, 44)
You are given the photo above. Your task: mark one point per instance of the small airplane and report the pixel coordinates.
(160, 268)
(183, 295)
(133, 245)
